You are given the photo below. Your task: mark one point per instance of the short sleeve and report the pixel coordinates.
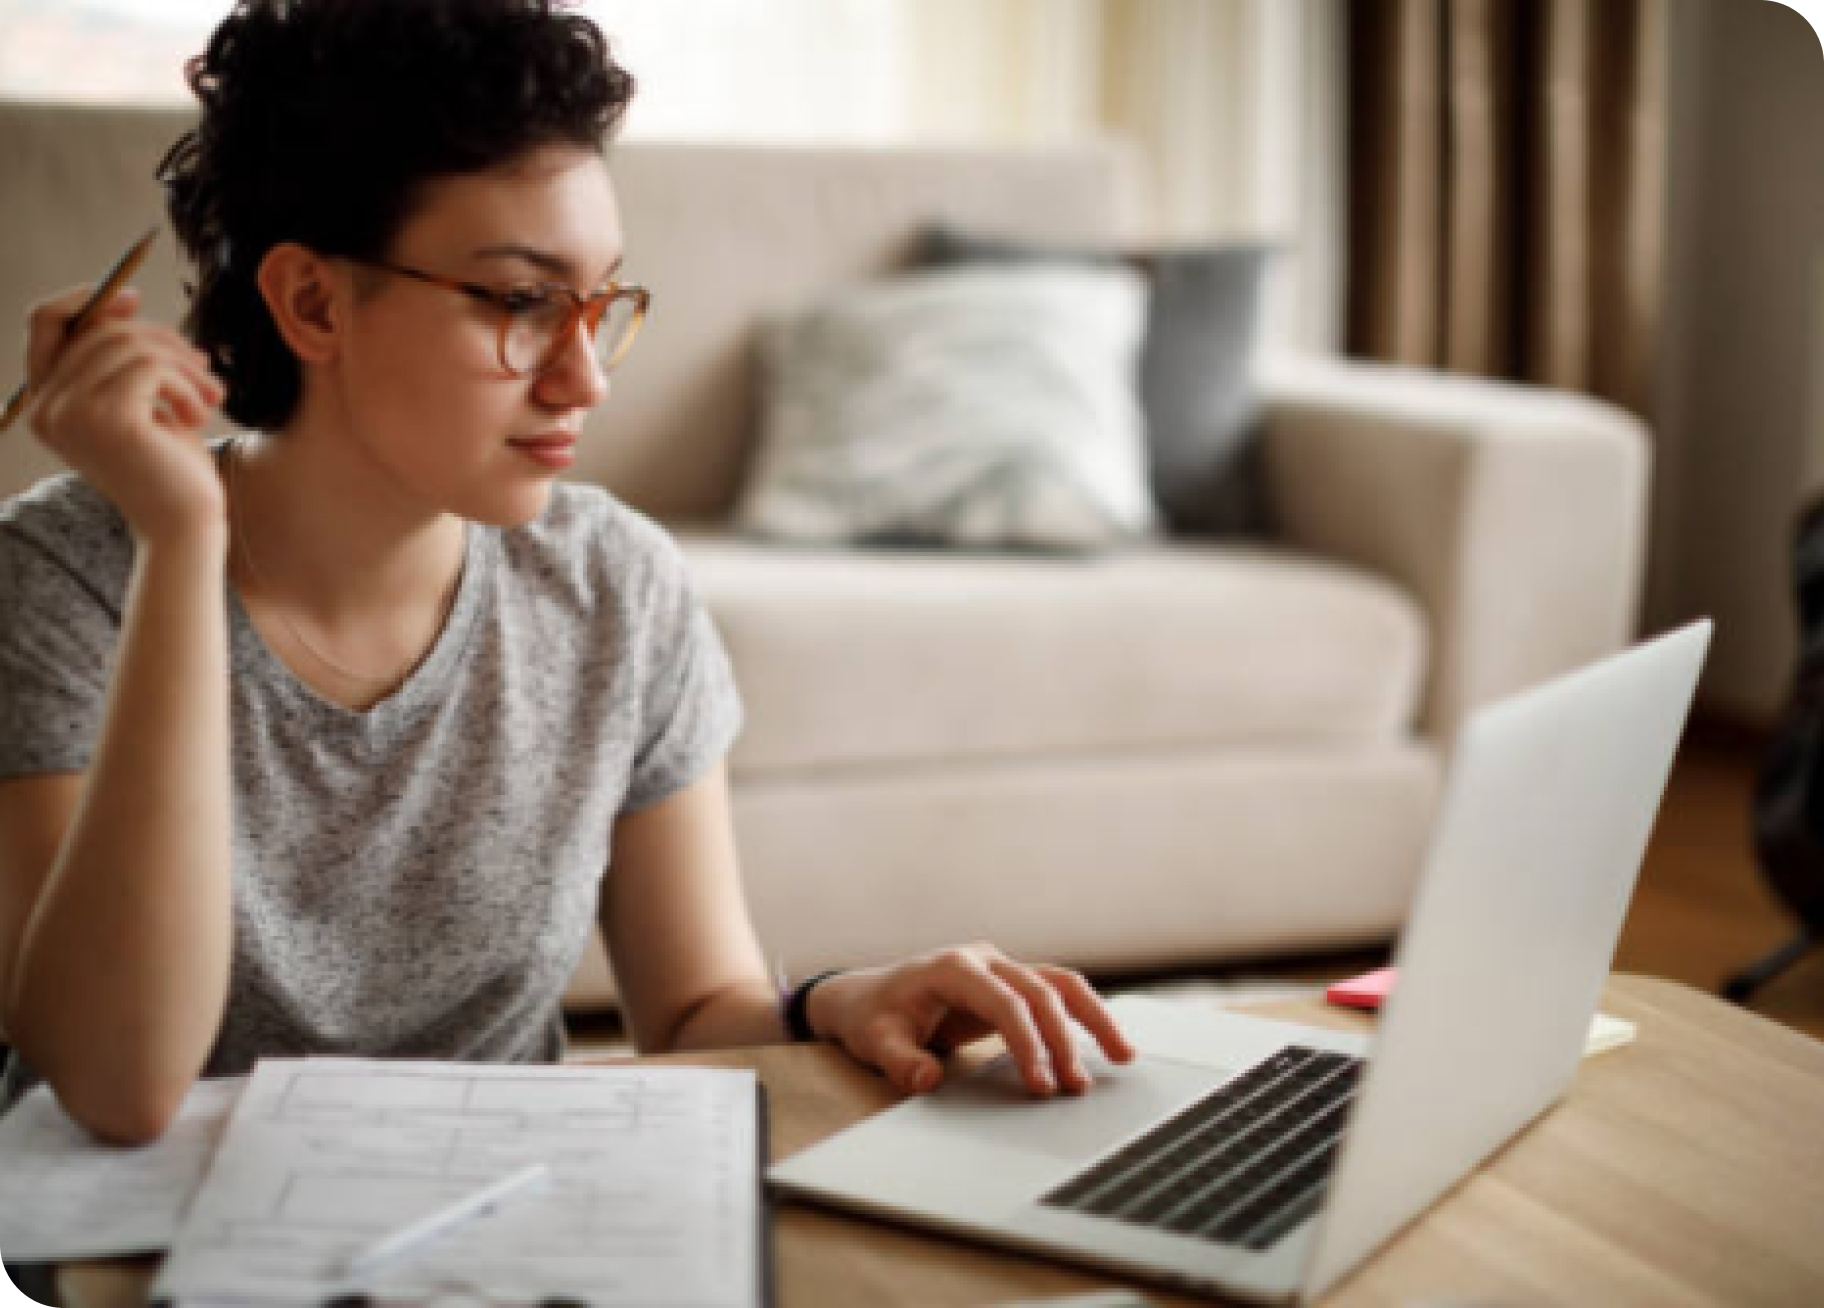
(57, 636)
(691, 708)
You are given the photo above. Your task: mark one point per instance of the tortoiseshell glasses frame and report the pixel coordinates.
(535, 321)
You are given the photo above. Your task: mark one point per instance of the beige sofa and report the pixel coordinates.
(1184, 753)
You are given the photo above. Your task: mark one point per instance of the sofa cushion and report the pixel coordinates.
(854, 658)
(1196, 382)
(975, 406)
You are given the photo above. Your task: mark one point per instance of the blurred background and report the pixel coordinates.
(1622, 197)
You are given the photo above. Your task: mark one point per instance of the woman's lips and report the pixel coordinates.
(556, 452)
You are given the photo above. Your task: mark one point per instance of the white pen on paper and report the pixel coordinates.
(443, 1220)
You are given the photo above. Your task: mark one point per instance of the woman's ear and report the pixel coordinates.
(306, 296)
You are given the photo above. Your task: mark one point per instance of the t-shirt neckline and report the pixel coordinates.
(421, 685)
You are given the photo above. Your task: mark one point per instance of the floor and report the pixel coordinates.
(1700, 912)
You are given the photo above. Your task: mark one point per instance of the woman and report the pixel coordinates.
(337, 737)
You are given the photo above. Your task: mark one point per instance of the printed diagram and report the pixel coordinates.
(653, 1180)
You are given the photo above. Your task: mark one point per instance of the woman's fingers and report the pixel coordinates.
(183, 405)
(101, 346)
(189, 361)
(89, 380)
(907, 1063)
(121, 305)
(124, 402)
(1053, 1019)
(903, 1018)
(48, 323)
(965, 981)
(147, 390)
(110, 339)
(1063, 1000)
(1088, 1008)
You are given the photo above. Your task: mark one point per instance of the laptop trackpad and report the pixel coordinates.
(993, 1106)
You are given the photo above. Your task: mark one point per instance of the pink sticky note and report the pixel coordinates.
(1364, 991)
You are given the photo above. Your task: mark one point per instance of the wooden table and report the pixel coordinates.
(1684, 1169)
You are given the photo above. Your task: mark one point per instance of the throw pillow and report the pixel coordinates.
(1196, 382)
(983, 407)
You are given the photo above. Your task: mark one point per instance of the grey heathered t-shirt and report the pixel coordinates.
(417, 880)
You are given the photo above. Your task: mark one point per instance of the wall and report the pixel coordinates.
(1743, 340)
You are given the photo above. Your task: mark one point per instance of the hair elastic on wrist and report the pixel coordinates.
(797, 1006)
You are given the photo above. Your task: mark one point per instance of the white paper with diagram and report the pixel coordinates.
(653, 1196)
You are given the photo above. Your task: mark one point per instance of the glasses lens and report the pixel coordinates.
(616, 330)
(532, 334)
(534, 337)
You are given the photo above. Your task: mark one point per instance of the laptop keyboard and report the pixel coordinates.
(1241, 1166)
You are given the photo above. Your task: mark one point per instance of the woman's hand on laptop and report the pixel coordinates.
(904, 1018)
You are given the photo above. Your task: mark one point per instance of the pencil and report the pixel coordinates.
(116, 278)
(441, 1221)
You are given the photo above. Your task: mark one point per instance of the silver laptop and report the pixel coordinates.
(1264, 1160)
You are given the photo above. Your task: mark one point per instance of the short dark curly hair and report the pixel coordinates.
(321, 122)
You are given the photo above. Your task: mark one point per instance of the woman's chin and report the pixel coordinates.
(513, 506)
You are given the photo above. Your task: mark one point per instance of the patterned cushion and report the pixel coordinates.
(1196, 383)
(983, 407)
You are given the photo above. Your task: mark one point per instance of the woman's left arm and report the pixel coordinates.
(691, 974)
(674, 919)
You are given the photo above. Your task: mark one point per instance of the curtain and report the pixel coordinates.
(1507, 188)
(1234, 108)
(1237, 108)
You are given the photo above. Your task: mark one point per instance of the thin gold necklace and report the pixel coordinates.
(253, 567)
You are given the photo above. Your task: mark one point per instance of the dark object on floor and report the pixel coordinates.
(1789, 797)
(36, 1281)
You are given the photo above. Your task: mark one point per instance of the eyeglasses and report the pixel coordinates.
(535, 321)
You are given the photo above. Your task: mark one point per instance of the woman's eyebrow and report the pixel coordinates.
(545, 260)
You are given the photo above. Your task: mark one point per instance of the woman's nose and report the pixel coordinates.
(574, 374)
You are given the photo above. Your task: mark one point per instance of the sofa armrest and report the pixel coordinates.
(1515, 515)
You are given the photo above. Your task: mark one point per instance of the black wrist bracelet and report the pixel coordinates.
(797, 1005)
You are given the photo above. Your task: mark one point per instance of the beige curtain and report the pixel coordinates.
(1506, 188)
(1234, 107)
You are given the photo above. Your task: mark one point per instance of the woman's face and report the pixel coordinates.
(419, 370)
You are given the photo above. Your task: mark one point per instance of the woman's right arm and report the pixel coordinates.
(115, 926)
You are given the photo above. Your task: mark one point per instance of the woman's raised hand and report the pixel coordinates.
(125, 403)
(905, 1017)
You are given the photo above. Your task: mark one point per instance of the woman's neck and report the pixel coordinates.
(333, 534)
(347, 580)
